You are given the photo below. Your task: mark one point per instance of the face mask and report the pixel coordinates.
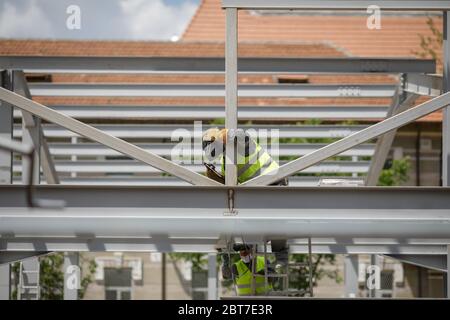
(246, 258)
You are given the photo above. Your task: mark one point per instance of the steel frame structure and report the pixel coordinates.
(413, 220)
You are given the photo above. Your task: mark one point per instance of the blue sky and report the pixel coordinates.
(100, 19)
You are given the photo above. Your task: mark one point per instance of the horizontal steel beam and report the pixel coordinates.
(196, 212)
(11, 256)
(205, 245)
(126, 180)
(274, 113)
(211, 90)
(423, 84)
(215, 65)
(125, 166)
(166, 131)
(93, 134)
(166, 149)
(403, 5)
(435, 262)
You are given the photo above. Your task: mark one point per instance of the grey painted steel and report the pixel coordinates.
(384, 142)
(371, 132)
(85, 243)
(435, 262)
(6, 124)
(304, 181)
(35, 136)
(448, 269)
(165, 149)
(5, 281)
(446, 111)
(126, 166)
(211, 90)
(351, 276)
(424, 84)
(166, 131)
(274, 113)
(30, 279)
(103, 138)
(41, 64)
(32, 132)
(403, 5)
(7, 257)
(232, 93)
(71, 259)
(212, 276)
(301, 212)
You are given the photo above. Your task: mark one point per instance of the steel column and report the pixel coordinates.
(212, 276)
(446, 111)
(5, 281)
(231, 94)
(351, 276)
(30, 278)
(71, 275)
(6, 131)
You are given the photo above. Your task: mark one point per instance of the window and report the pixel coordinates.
(118, 283)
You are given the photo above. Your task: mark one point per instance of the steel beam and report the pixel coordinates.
(132, 167)
(403, 5)
(446, 111)
(198, 212)
(103, 138)
(231, 96)
(384, 142)
(41, 64)
(351, 276)
(6, 125)
(435, 262)
(423, 84)
(5, 281)
(212, 276)
(7, 257)
(35, 136)
(166, 131)
(355, 139)
(212, 90)
(273, 113)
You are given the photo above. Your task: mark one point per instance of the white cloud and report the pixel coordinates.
(155, 19)
(27, 23)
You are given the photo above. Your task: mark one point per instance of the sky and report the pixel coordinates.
(97, 19)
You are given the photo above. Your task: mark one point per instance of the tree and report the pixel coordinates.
(396, 173)
(52, 276)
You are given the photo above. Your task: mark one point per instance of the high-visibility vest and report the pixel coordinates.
(252, 162)
(244, 278)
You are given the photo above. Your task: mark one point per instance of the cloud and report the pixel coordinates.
(27, 22)
(156, 18)
(100, 19)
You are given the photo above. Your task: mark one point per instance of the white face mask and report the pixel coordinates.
(246, 258)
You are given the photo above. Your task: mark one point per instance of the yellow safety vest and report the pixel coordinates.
(244, 279)
(257, 162)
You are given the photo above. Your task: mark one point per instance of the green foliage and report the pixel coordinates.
(218, 122)
(299, 277)
(431, 45)
(396, 174)
(52, 276)
(198, 260)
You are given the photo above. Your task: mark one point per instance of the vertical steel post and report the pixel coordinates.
(231, 93)
(351, 276)
(446, 110)
(448, 271)
(163, 276)
(5, 281)
(6, 130)
(212, 276)
(71, 276)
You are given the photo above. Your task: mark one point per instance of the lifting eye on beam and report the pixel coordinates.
(231, 210)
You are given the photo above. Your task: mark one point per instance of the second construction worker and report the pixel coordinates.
(252, 160)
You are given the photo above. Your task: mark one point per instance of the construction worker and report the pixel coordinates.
(252, 160)
(241, 272)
